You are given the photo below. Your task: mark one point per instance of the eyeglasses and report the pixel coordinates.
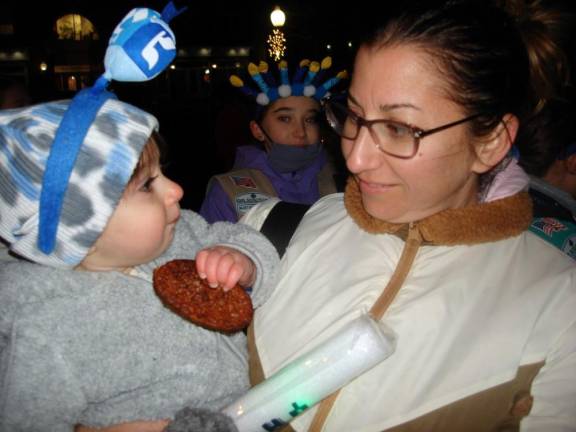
(391, 137)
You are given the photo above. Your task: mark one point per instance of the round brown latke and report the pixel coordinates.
(180, 288)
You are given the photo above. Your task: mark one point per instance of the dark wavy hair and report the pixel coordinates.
(546, 137)
(496, 56)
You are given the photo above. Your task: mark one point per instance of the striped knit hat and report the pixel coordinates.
(64, 165)
(105, 162)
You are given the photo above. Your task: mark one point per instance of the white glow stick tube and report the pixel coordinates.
(358, 347)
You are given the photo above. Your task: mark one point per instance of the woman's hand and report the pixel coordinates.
(137, 426)
(225, 267)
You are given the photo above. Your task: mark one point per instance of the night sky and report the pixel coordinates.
(202, 132)
(208, 22)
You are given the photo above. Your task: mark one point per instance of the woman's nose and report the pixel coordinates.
(361, 154)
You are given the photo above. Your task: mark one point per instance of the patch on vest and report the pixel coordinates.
(560, 233)
(242, 181)
(549, 226)
(246, 201)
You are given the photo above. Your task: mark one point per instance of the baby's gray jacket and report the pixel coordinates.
(99, 348)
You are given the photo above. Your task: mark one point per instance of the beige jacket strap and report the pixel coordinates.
(397, 279)
(256, 371)
(377, 311)
(255, 367)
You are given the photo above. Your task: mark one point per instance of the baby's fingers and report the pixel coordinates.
(207, 263)
(232, 277)
(218, 265)
(200, 260)
(225, 267)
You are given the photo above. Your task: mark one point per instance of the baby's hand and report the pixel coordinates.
(225, 267)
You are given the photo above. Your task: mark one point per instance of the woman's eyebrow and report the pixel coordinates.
(385, 107)
(392, 107)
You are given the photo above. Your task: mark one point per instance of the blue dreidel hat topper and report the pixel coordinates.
(141, 47)
(307, 81)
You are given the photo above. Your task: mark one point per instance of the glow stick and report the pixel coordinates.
(359, 346)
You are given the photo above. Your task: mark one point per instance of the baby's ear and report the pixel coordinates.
(257, 132)
(493, 148)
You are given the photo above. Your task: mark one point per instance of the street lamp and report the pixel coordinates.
(276, 39)
(278, 17)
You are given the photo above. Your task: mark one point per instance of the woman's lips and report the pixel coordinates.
(371, 187)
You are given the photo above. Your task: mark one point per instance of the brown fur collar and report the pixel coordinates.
(479, 223)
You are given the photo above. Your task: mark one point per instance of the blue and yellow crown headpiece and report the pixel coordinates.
(307, 81)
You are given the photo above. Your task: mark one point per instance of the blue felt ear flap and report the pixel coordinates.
(69, 138)
(141, 47)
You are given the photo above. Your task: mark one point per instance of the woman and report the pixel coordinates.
(289, 160)
(483, 309)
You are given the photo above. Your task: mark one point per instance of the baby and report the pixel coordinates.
(83, 338)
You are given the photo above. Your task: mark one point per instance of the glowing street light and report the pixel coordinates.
(278, 17)
(276, 39)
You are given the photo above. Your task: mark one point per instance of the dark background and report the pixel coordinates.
(202, 118)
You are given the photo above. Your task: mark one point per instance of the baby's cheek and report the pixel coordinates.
(154, 234)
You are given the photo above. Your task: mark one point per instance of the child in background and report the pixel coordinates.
(290, 160)
(552, 169)
(84, 340)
